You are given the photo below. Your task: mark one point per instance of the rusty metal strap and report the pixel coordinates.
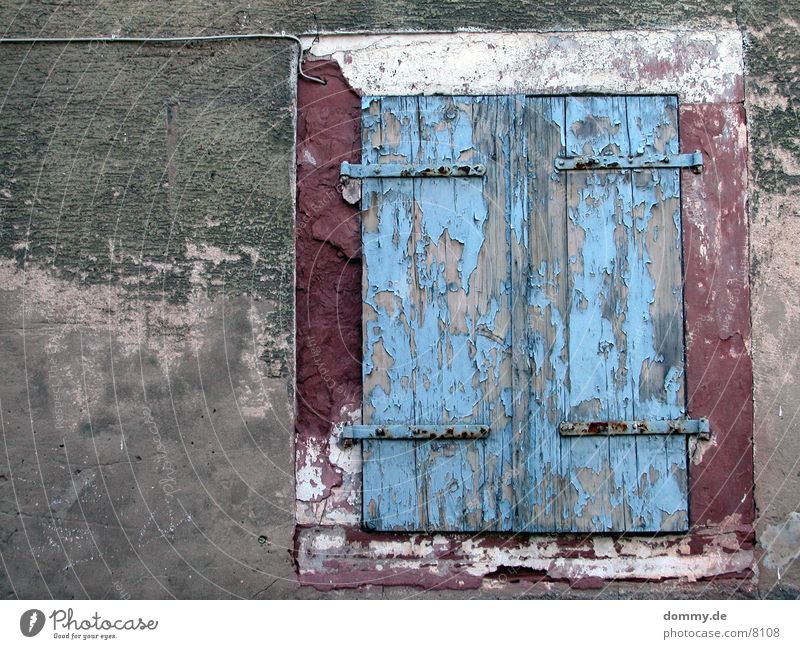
(403, 431)
(431, 170)
(693, 161)
(698, 427)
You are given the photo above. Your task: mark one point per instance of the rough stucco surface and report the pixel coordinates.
(145, 321)
(773, 88)
(163, 307)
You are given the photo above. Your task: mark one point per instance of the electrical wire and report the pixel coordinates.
(144, 40)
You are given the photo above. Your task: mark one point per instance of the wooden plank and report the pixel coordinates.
(598, 234)
(458, 344)
(439, 335)
(655, 328)
(390, 490)
(499, 140)
(540, 317)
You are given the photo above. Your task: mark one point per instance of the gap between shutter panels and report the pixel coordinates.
(552, 499)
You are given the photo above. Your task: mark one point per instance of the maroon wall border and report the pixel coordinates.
(328, 262)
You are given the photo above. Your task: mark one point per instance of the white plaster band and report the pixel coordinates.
(698, 66)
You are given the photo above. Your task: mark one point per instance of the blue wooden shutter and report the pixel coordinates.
(518, 301)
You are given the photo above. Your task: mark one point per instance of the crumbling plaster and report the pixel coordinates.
(698, 66)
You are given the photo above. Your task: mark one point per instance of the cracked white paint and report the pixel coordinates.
(604, 546)
(345, 457)
(698, 66)
(342, 506)
(634, 559)
(310, 485)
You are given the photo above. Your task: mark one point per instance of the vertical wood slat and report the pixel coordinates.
(467, 235)
(454, 469)
(656, 331)
(598, 211)
(497, 123)
(444, 390)
(390, 493)
(541, 334)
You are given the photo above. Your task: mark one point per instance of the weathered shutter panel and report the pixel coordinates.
(522, 300)
(436, 314)
(606, 319)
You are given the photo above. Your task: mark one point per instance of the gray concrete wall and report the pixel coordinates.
(146, 270)
(147, 317)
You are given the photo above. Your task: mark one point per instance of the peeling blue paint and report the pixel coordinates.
(600, 305)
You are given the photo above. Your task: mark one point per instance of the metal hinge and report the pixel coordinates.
(700, 427)
(693, 161)
(431, 170)
(403, 431)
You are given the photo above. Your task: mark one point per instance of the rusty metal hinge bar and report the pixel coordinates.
(699, 427)
(443, 170)
(403, 431)
(693, 161)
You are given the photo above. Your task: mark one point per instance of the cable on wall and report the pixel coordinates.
(144, 40)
